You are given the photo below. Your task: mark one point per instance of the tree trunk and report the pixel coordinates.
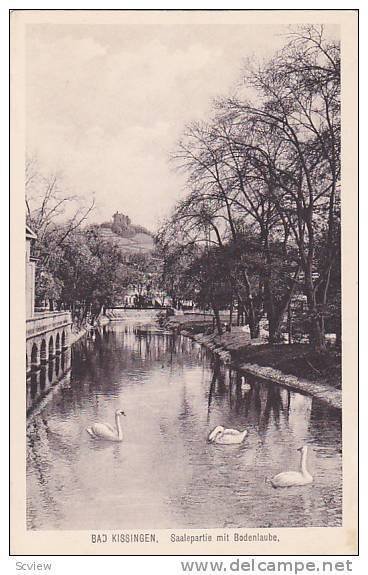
(316, 333)
(238, 315)
(217, 319)
(254, 329)
(231, 312)
(290, 326)
(276, 318)
(317, 337)
(276, 312)
(247, 305)
(253, 322)
(274, 328)
(245, 297)
(338, 335)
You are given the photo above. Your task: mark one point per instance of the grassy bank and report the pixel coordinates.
(296, 360)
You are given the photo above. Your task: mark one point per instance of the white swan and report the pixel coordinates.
(106, 431)
(245, 387)
(291, 478)
(226, 436)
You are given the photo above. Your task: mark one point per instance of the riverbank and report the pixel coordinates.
(294, 366)
(78, 334)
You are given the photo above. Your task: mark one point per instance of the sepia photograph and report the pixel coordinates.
(189, 289)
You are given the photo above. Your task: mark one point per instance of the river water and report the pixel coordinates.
(165, 474)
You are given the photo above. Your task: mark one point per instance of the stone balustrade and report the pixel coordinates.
(46, 321)
(47, 335)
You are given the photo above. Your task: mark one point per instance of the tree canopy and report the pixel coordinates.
(263, 187)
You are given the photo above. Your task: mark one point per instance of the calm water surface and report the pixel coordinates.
(165, 474)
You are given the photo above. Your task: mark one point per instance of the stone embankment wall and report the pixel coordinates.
(319, 389)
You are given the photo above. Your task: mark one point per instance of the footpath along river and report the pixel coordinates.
(165, 474)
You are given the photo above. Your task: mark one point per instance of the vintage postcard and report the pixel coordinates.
(184, 282)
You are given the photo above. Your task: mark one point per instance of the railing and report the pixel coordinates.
(125, 307)
(124, 313)
(45, 322)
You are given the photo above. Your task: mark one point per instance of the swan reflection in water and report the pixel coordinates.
(259, 403)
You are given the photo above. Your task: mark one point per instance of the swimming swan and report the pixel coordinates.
(106, 431)
(245, 387)
(291, 478)
(226, 436)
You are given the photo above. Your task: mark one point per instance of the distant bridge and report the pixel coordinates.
(121, 313)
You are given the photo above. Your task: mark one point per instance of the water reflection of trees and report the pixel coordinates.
(102, 365)
(100, 360)
(325, 425)
(263, 404)
(119, 349)
(273, 408)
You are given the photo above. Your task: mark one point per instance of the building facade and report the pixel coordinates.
(30, 273)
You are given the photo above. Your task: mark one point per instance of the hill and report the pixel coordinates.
(129, 237)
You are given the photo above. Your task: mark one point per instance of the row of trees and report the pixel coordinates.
(261, 219)
(75, 269)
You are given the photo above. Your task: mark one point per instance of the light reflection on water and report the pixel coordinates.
(165, 474)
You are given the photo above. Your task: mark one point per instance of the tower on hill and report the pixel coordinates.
(120, 223)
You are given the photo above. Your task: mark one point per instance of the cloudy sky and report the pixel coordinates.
(106, 103)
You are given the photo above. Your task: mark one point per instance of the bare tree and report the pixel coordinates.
(300, 88)
(204, 155)
(51, 211)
